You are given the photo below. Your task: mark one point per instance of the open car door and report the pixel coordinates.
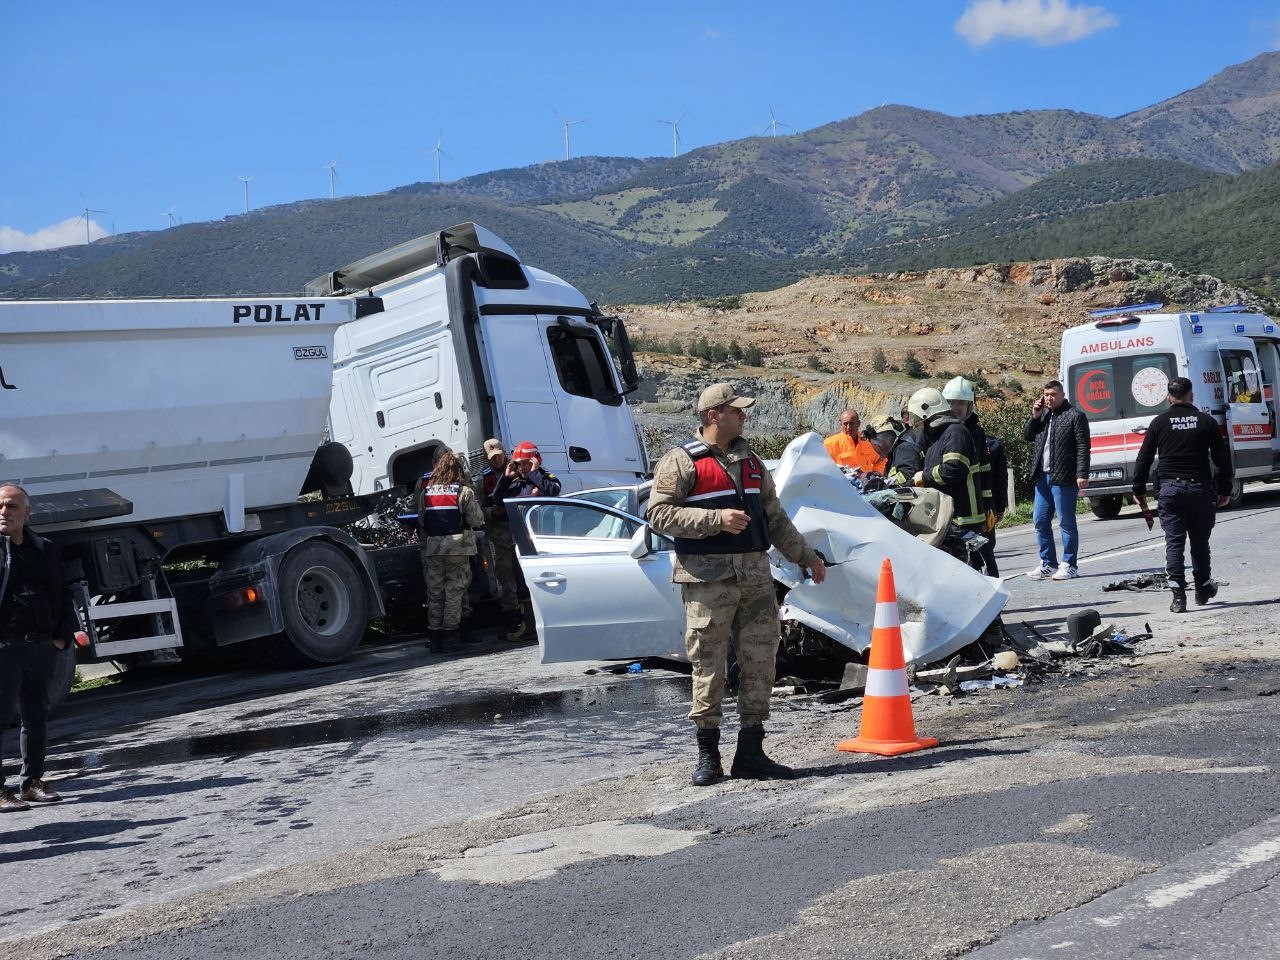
(599, 580)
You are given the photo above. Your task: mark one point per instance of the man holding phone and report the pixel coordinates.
(1059, 472)
(523, 476)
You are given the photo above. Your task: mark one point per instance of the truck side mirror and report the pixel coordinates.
(640, 543)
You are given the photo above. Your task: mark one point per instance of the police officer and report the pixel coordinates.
(1186, 440)
(949, 459)
(715, 498)
(449, 514)
(37, 620)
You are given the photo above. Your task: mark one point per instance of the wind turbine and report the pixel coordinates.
(169, 213)
(245, 181)
(333, 175)
(774, 123)
(85, 217)
(567, 124)
(440, 152)
(675, 132)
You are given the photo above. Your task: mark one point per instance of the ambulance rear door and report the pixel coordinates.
(1247, 423)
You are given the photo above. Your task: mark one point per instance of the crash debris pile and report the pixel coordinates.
(395, 524)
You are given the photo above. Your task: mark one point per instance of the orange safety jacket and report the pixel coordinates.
(854, 452)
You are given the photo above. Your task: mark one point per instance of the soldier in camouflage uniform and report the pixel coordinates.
(449, 515)
(714, 497)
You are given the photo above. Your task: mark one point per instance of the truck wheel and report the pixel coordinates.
(1237, 495)
(1106, 508)
(323, 602)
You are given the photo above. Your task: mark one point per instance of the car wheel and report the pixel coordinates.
(1106, 508)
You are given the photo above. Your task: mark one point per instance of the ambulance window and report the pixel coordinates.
(1093, 389)
(581, 364)
(1243, 383)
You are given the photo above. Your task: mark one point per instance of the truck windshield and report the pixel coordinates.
(1120, 387)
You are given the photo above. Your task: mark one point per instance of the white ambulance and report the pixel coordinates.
(1116, 370)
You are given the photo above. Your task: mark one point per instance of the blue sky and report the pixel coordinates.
(133, 107)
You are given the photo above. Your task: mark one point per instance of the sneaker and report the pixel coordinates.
(1206, 592)
(1065, 573)
(1042, 572)
(1179, 602)
(37, 791)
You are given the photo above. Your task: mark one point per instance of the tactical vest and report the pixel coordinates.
(713, 489)
(441, 515)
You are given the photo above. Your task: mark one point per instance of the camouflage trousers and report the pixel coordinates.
(504, 564)
(447, 581)
(712, 612)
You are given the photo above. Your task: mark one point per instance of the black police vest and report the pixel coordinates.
(441, 515)
(713, 489)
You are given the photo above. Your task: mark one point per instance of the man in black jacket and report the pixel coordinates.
(1185, 439)
(1059, 471)
(950, 459)
(522, 477)
(999, 502)
(37, 620)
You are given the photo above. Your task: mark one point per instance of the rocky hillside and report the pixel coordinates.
(871, 340)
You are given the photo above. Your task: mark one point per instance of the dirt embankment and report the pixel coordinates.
(824, 340)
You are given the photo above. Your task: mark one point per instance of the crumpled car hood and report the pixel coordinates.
(943, 604)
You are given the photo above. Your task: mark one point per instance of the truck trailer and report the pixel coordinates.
(196, 460)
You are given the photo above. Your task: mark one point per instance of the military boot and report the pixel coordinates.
(449, 639)
(1205, 592)
(435, 641)
(1179, 602)
(709, 769)
(750, 761)
(520, 628)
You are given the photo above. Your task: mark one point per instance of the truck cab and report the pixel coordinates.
(471, 344)
(1116, 370)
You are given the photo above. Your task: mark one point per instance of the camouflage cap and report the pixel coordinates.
(718, 394)
(493, 446)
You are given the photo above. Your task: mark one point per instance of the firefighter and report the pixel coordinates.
(958, 392)
(897, 445)
(949, 458)
(449, 514)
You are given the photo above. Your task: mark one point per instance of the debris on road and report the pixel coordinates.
(1143, 581)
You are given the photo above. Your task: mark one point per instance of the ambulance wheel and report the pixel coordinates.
(323, 602)
(1237, 495)
(1106, 508)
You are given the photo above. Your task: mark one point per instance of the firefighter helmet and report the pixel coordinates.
(958, 389)
(927, 402)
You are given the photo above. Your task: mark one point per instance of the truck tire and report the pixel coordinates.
(1106, 508)
(323, 603)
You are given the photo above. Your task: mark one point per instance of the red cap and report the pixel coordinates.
(525, 450)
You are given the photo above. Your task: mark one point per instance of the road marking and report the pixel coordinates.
(1119, 553)
(1249, 857)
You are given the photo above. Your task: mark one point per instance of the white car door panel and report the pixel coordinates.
(591, 599)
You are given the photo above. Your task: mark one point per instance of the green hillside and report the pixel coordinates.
(1226, 226)
(543, 182)
(694, 273)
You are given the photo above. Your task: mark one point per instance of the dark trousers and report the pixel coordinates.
(988, 554)
(1188, 509)
(26, 670)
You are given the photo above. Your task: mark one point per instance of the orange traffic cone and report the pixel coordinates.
(887, 725)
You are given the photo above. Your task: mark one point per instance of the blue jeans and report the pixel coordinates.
(1051, 499)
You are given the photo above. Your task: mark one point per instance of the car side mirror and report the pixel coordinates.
(640, 547)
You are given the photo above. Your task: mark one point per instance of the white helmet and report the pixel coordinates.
(927, 402)
(958, 389)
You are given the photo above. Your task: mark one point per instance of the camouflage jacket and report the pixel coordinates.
(462, 544)
(674, 477)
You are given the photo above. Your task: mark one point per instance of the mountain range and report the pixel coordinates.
(893, 187)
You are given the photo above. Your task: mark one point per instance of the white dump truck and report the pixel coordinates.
(167, 445)
(1116, 369)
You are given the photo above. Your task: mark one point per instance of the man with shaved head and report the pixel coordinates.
(849, 449)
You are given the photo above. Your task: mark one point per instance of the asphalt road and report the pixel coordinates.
(410, 805)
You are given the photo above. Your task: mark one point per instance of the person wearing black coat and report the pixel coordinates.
(999, 501)
(37, 620)
(1186, 440)
(1059, 434)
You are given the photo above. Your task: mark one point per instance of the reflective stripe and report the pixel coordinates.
(887, 683)
(886, 615)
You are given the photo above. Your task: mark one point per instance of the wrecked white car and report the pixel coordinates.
(600, 578)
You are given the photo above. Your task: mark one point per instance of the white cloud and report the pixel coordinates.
(1045, 22)
(65, 234)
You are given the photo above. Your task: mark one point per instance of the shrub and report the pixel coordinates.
(879, 362)
(912, 366)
